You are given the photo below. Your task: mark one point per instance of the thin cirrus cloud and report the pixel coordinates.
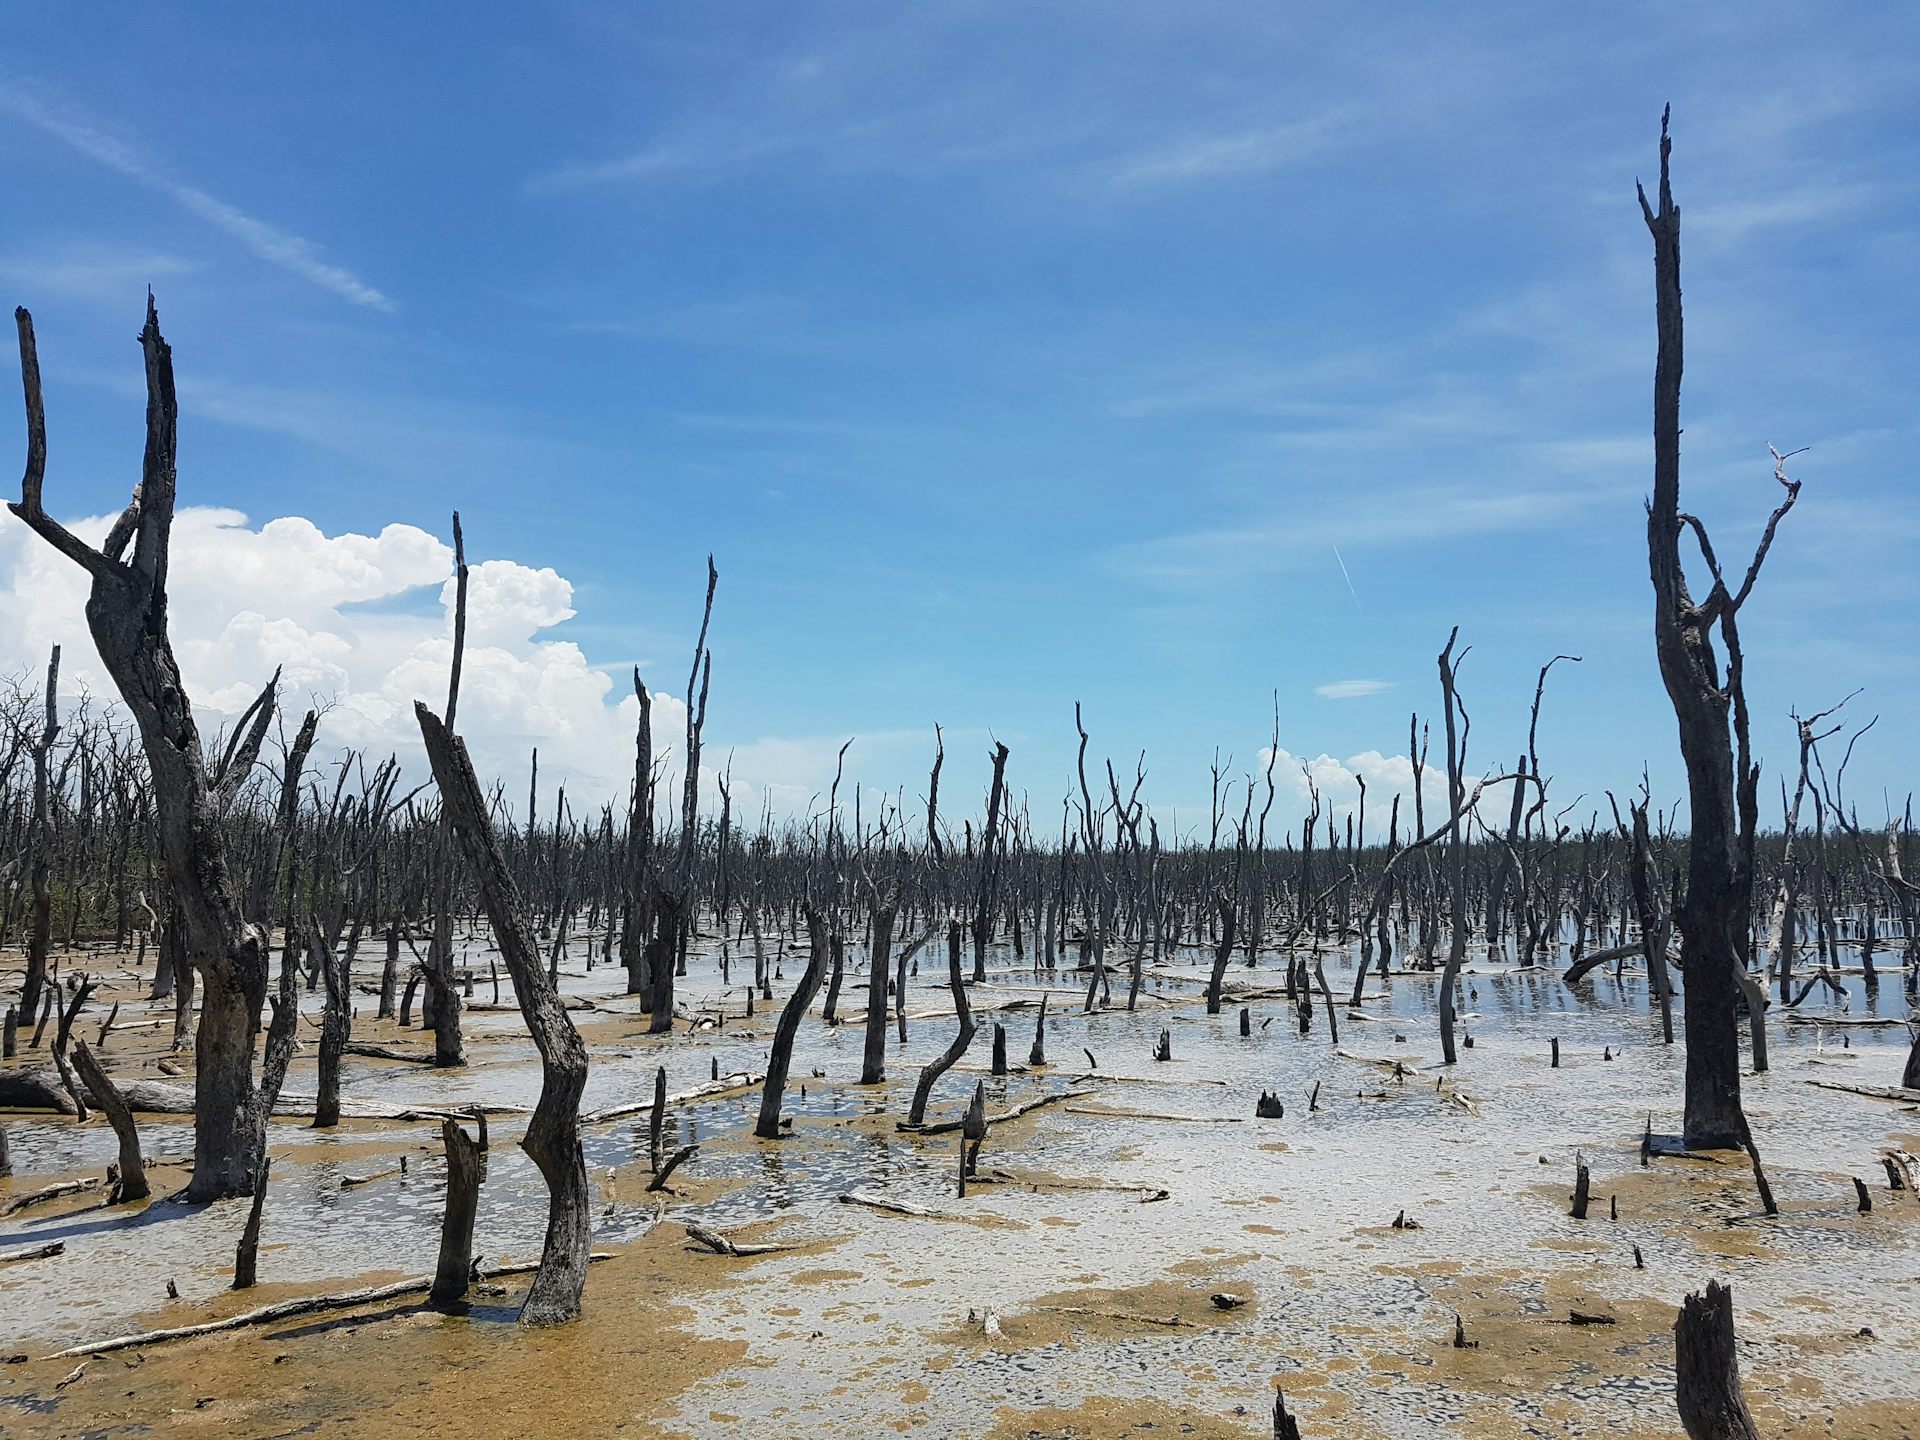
(291, 253)
(1233, 154)
(1352, 689)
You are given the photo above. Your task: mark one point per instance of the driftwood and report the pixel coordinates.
(740, 1080)
(886, 1206)
(947, 1127)
(1899, 1093)
(672, 1163)
(37, 1252)
(285, 1309)
(1170, 1322)
(382, 1052)
(720, 1245)
(51, 1192)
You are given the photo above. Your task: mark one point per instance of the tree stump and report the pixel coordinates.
(1707, 1372)
(450, 1277)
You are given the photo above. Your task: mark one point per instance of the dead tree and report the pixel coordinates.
(947, 1059)
(1458, 726)
(685, 903)
(873, 1060)
(131, 1182)
(552, 1139)
(1707, 1371)
(780, 1054)
(989, 865)
(1710, 706)
(448, 1048)
(127, 616)
(455, 1268)
(40, 839)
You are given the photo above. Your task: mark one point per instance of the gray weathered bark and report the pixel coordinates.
(552, 1139)
(127, 616)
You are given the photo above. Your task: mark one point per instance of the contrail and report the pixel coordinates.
(1348, 578)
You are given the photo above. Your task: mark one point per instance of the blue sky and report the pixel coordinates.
(1008, 356)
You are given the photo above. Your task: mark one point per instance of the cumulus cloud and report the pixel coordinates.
(361, 626)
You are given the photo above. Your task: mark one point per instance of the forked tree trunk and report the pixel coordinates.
(127, 616)
(1711, 709)
(552, 1139)
(957, 983)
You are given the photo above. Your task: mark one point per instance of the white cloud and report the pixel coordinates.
(246, 599)
(1351, 689)
(90, 271)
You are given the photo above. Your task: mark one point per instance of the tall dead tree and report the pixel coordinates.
(40, 839)
(989, 865)
(552, 1140)
(1710, 705)
(127, 616)
(1458, 725)
(680, 911)
(448, 1047)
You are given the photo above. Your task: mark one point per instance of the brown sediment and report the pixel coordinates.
(398, 1368)
(1102, 1313)
(1103, 1418)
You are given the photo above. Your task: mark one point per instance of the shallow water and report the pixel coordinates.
(1293, 1212)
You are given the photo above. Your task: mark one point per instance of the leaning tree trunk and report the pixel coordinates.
(552, 1140)
(127, 616)
(131, 1183)
(780, 1055)
(956, 982)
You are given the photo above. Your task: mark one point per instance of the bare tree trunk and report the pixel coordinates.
(989, 865)
(127, 616)
(780, 1055)
(1707, 1371)
(873, 1064)
(552, 1139)
(40, 839)
(1711, 711)
(132, 1182)
(956, 982)
(450, 1277)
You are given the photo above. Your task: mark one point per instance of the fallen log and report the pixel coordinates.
(886, 1206)
(1577, 971)
(1172, 1322)
(947, 1127)
(284, 1309)
(383, 1052)
(1898, 1093)
(52, 1192)
(720, 1245)
(740, 1080)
